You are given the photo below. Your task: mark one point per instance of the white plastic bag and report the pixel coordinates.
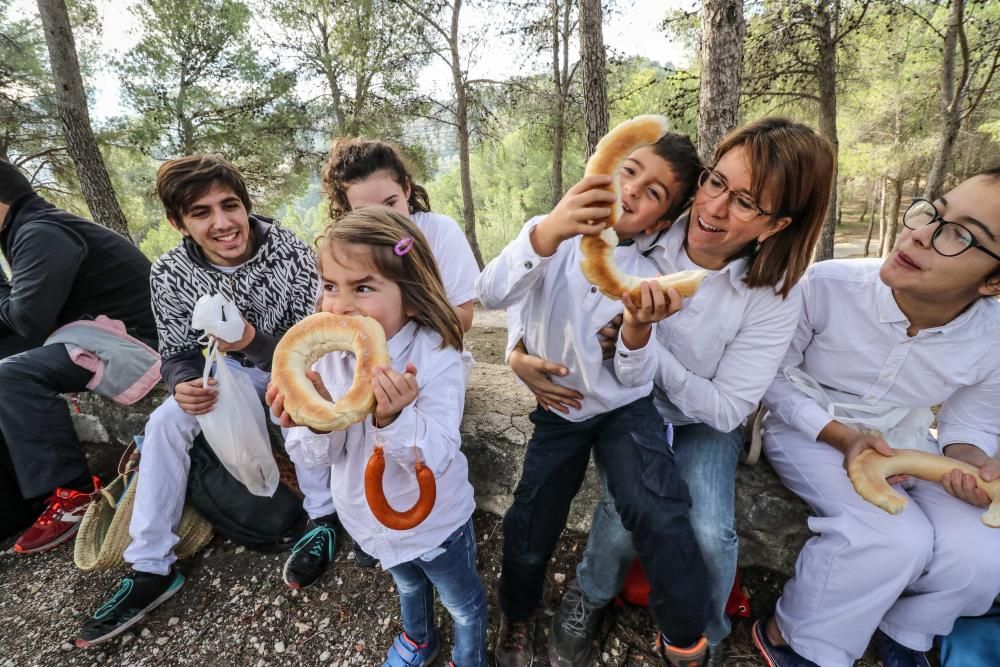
(216, 315)
(235, 428)
(901, 427)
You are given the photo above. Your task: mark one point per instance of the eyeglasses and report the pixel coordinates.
(950, 238)
(742, 207)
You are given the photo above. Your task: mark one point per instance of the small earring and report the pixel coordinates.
(756, 247)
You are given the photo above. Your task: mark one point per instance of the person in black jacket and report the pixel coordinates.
(270, 275)
(63, 269)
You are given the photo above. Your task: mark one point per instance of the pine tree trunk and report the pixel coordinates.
(559, 111)
(827, 79)
(72, 101)
(595, 86)
(892, 223)
(723, 29)
(462, 123)
(952, 93)
(883, 197)
(873, 199)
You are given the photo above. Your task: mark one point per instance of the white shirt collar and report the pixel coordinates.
(402, 339)
(889, 311)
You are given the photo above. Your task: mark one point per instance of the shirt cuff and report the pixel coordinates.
(635, 367)
(523, 258)
(399, 438)
(311, 450)
(953, 434)
(810, 419)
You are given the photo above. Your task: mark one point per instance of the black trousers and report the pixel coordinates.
(35, 426)
(649, 494)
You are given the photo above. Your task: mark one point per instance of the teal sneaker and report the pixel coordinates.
(136, 596)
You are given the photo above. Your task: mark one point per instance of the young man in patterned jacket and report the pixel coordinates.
(271, 277)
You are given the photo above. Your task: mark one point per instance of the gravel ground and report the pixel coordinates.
(235, 610)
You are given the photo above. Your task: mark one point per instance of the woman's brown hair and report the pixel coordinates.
(372, 234)
(355, 159)
(795, 164)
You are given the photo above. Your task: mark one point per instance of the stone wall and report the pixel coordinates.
(771, 521)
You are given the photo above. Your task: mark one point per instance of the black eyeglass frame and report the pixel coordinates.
(973, 243)
(707, 171)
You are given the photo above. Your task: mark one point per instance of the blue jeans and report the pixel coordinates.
(706, 460)
(650, 497)
(451, 569)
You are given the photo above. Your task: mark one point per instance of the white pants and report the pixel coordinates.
(910, 575)
(163, 475)
(315, 486)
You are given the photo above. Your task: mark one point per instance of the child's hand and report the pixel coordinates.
(963, 485)
(653, 306)
(276, 400)
(393, 392)
(574, 214)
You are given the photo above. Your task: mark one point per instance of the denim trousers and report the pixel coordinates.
(451, 569)
(706, 460)
(648, 493)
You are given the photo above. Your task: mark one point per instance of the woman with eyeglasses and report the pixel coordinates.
(753, 222)
(878, 344)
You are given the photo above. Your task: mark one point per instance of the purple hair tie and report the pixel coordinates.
(404, 246)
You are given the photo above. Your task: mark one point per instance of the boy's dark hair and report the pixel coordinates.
(355, 159)
(13, 184)
(180, 182)
(678, 151)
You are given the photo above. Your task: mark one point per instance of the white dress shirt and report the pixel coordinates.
(852, 338)
(454, 257)
(427, 429)
(560, 313)
(719, 353)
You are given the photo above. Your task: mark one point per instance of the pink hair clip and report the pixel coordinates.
(404, 246)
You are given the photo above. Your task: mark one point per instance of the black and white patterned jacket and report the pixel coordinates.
(273, 290)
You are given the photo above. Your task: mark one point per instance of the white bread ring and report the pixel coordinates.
(598, 264)
(869, 470)
(309, 340)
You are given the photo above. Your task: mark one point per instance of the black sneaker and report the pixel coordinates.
(514, 644)
(311, 555)
(573, 629)
(136, 596)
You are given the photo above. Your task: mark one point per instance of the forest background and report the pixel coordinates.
(497, 103)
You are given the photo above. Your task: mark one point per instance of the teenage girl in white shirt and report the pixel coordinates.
(363, 272)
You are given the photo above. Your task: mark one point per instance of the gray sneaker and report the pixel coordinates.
(573, 629)
(515, 644)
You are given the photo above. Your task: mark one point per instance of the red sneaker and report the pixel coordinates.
(58, 523)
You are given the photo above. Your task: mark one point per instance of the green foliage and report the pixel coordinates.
(199, 82)
(362, 58)
(511, 176)
(30, 133)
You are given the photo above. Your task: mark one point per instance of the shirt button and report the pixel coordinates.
(528, 265)
(593, 289)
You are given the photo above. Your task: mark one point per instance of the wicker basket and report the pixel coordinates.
(103, 535)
